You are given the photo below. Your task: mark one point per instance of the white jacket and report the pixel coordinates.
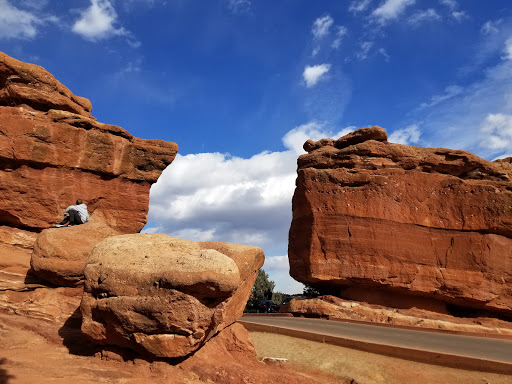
(82, 211)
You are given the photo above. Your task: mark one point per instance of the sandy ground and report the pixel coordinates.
(364, 367)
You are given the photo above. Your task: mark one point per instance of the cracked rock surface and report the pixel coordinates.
(165, 296)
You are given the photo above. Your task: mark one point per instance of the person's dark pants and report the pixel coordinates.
(73, 218)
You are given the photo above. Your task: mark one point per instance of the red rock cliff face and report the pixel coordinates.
(371, 216)
(52, 151)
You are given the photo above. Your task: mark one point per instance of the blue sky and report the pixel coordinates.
(241, 84)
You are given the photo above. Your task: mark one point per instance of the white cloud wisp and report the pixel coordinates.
(321, 26)
(391, 10)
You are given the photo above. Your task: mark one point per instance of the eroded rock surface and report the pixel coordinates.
(415, 315)
(165, 296)
(373, 216)
(52, 151)
(60, 254)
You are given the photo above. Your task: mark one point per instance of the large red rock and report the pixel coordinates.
(52, 151)
(372, 218)
(60, 254)
(163, 296)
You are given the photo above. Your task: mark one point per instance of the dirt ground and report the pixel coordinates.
(364, 367)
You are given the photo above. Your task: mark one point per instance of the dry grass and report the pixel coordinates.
(364, 367)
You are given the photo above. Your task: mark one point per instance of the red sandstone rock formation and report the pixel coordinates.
(60, 254)
(375, 219)
(52, 151)
(164, 296)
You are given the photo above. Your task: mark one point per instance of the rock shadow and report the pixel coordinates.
(4, 375)
(73, 338)
(78, 344)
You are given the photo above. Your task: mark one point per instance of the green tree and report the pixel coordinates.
(262, 289)
(310, 291)
(278, 297)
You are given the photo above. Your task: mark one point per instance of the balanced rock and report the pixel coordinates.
(373, 219)
(60, 254)
(52, 151)
(165, 296)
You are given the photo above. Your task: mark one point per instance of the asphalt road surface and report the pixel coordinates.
(476, 347)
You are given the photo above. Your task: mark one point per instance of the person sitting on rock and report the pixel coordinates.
(74, 215)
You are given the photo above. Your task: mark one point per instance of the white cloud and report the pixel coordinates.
(239, 6)
(460, 15)
(497, 131)
(362, 54)
(503, 156)
(359, 5)
(278, 269)
(458, 121)
(313, 74)
(295, 138)
(390, 10)
(321, 26)
(408, 135)
(341, 31)
(20, 24)
(422, 16)
(98, 22)
(451, 4)
(449, 92)
(34, 4)
(214, 196)
(384, 54)
(507, 51)
(490, 27)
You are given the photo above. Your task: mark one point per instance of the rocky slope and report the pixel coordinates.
(403, 226)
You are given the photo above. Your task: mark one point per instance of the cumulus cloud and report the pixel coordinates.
(313, 74)
(497, 131)
(18, 23)
(390, 10)
(321, 26)
(408, 135)
(423, 16)
(98, 22)
(214, 196)
(359, 5)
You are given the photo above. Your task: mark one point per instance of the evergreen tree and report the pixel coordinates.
(262, 289)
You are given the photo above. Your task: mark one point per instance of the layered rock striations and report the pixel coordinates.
(52, 151)
(164, 296)
(376, 220)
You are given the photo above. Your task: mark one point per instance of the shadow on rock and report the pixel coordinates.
(4, 375)
(73, 338)
(31, 279)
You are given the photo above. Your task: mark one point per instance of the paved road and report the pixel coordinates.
(476, 347)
